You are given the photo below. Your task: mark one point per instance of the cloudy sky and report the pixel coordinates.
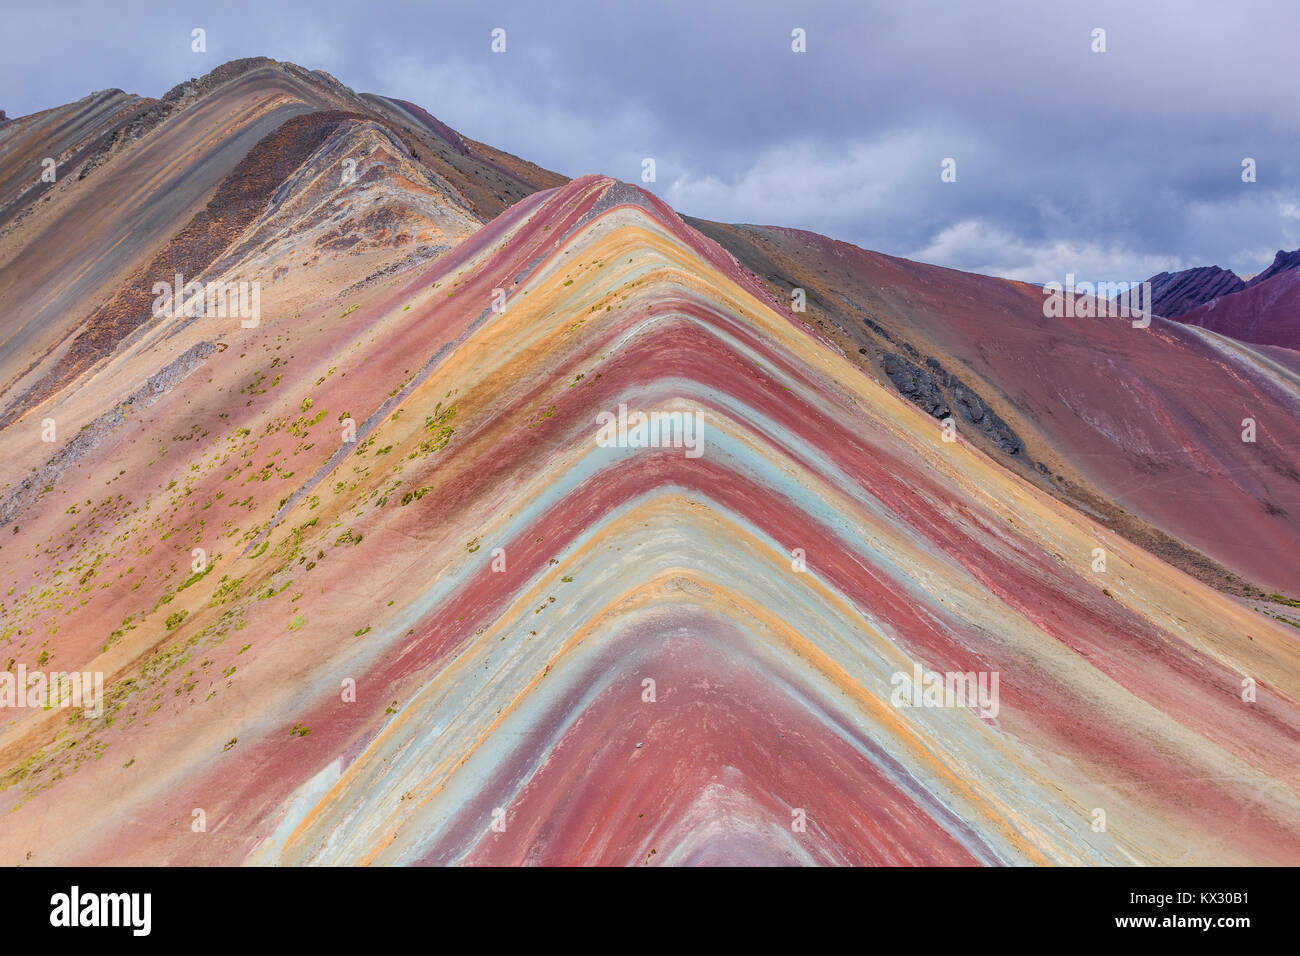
(1109, 165)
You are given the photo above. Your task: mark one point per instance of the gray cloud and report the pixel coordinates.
(1109, 166)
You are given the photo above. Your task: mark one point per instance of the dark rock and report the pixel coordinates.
(936, 392)
(978, 412)
(1173, 293)
(969, 404)
(918, 385)
(878, 329)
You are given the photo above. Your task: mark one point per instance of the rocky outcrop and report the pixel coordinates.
(1173, 293)
(938, 392)
(917, 384)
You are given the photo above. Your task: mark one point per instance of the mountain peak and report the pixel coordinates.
(1282, 262)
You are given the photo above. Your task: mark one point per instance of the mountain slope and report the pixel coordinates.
(523, 689)
(1141, 428)
(1267, 313)
(158, 183)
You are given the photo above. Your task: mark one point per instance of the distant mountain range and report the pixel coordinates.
(1264, 310)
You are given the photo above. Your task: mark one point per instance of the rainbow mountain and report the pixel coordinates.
(940, 581)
